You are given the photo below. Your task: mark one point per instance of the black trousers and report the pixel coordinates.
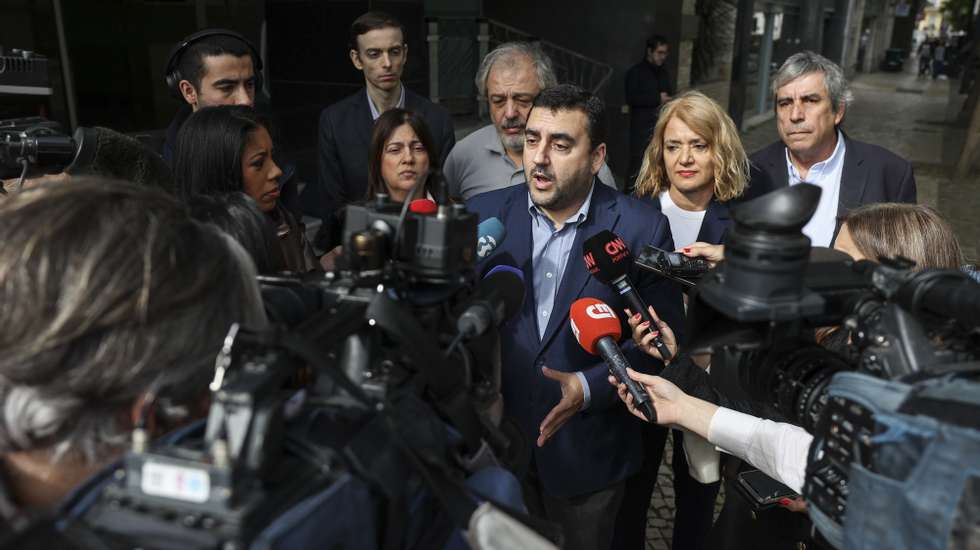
(587, 521)
(693, 501)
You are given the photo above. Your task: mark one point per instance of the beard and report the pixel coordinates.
(563, 193)
(512, 142)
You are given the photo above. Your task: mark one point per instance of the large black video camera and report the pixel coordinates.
(891, 409)
(323, 431)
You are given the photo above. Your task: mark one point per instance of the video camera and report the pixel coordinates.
(323, 431)
(35, 142)
(894, 410)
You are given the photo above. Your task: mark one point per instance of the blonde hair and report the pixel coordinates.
(706, 118)
(915, 231)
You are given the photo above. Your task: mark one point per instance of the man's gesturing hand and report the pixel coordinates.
(572, 397)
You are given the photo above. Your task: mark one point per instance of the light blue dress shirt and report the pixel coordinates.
(826, 174)
(550, 249)
(375, 113)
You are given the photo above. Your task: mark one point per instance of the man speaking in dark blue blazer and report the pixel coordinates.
(584, 442)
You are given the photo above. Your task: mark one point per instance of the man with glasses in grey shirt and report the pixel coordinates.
(510, 77)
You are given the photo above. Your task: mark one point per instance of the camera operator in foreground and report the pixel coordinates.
(780, 449)
(115, 304)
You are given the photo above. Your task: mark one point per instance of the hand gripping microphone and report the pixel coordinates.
(490, 233)
(608, 259)
(597, 329)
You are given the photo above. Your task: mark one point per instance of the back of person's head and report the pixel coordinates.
(372, 21)
(237, 215)
(210, 144)
(915, 231)
(569, 97)
(707, 119)
(191, 63)
(110, 293)
(384, 127)
(509, 54)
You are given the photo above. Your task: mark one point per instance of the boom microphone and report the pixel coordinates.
(490, 233)
(105, 152)
(608, 258)
(597, 329)
(89, 151)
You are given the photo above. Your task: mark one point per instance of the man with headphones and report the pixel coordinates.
(220, 67)
(208, 68)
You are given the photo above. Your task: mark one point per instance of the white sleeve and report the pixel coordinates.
(778, 449)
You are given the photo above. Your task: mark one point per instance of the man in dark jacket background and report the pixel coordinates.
(377, 49)
(647, 88)
(811, 97)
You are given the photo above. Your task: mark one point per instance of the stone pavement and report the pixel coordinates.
(914, 118)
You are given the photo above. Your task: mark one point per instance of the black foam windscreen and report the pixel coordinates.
(507, 282)
(606, 256)
(105, 152)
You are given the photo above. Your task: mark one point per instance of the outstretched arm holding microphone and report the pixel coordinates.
(778, 449)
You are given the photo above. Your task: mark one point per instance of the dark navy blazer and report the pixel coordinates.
(870, 174)
(600, 445)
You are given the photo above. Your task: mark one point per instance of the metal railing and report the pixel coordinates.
(570, 67)
(457, 44)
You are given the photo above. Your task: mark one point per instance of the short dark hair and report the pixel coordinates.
(569, 97)
(191, 64)
(208, 154)
(386, 125)
(239, 216)
(656, 40)
(372, 21)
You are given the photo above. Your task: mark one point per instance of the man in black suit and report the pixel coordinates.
(378, 49)
(811, 96)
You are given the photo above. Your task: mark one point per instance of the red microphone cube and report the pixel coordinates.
(592, 319)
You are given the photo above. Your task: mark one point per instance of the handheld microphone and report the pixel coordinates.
(608, 259)
(490, 233)
(498, 297)
(597, 329)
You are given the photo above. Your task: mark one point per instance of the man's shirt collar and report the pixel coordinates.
(374, 110)
(823, 167)
(538, 215)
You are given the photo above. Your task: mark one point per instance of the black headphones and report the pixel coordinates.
(172, 74)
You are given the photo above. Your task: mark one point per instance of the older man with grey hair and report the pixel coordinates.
(509, 78)
(811, 97)
(115, 304)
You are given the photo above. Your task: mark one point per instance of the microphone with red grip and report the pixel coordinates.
(597, 329)
(608, 259)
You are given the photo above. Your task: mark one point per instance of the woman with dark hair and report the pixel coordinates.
(238, 215)
(401, 152)
(229, 148)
